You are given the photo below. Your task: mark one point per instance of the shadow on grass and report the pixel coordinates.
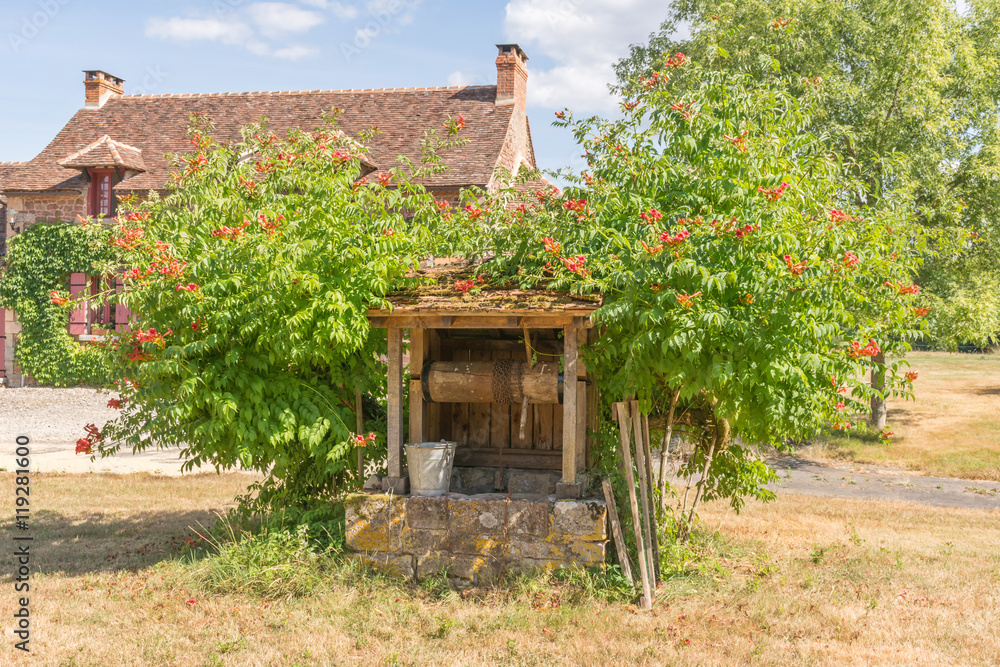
(101, 542)
(986, 391)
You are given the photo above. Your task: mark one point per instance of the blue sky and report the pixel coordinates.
(196, 46)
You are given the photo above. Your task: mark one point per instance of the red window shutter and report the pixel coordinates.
(78, 316)
(3, 343)
(122, 314)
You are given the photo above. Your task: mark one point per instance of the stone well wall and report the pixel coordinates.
(474, 537)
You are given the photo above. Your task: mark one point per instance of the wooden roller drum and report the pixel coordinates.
(502, 381)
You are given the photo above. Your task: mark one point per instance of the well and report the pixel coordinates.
(497, 371)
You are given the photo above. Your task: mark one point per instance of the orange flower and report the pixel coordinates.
(912, 375)
(685, 299)
(739, 142)
(794, 269)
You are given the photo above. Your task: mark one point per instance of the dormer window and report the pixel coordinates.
(100, 202)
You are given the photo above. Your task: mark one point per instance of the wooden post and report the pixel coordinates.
(622, 414)
(395, 481)
(650, 484)
(582, 406)
(570, 486)
(359, 418)
(432, 350)
(417, 407)
(640, 464)
(616, 531)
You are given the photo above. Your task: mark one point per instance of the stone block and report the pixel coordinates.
(399, 486)
(397, 565)
(477, 515)
(373, 522)
(568, 491)
(373, 483)
(476, 545)
(419, 541)
(465, 569)
(586, 519)
(426, 513)
(528, 517)
(534, 482)
(473, 480)
(561, 549)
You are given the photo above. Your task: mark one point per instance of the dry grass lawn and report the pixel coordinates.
(798, 582)
(952, 429)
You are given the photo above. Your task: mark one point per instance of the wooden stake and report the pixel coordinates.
(640, 464)
(616, 531)
(653, 537)
(662, 482)
(622, 414)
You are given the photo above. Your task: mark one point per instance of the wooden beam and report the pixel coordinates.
(581, 426)
(533, 459)
(569, 449)
(432, 342)
(472, 321)
(417, 408)
(395, 402)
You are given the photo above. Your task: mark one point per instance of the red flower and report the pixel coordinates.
(837, 216)
(130, 238)
(560, 115)
(115, 404)
(795, 269)
(884, 435)
(912, 375)
(774, 194)
(551, 246)
(651, 217)
(869, 350)
(922, 311)
(747, 299)
(83, 446)
(628, 106)
(685, 299)
(653, 250)
(58, 300)
(676, 239)
(850, 260)
(841, 405)
(474, 211)
(676, 60)
(739, 142)
(575, 264)
(190, 287)
(576, 205)
(383, 179)
(780, 23)
(464, 286)
(744, 231)
(908, 289)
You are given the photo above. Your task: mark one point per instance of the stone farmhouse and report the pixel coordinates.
(116, 145)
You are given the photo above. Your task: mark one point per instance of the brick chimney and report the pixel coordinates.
(101, 87)
(512, 76)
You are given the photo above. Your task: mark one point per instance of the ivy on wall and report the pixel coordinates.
(33, 283)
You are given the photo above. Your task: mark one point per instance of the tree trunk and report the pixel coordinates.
(662, 481)
(722, 431)
(878, 415)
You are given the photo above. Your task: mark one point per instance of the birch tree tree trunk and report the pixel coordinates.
(878, 415)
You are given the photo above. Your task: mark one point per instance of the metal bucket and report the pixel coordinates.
(430, 467)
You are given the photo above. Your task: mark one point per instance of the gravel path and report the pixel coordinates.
(54, 420)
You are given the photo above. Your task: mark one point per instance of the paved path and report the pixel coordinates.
(870, 483)
(54, 420)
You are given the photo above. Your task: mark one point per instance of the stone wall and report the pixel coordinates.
(47, 208)
(475, 538)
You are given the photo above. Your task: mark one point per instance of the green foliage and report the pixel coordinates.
(251, 282)
(906, 92)
(734, 266)
(35, 275)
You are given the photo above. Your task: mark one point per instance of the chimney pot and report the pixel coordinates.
(99, 87)
(512, 76)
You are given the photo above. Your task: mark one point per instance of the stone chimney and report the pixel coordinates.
(101, 87)
(512, 76)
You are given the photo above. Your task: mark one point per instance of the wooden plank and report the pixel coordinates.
(624, 422)
(557, 427)
(460, 411)
(569, 450)
(394, 403)
(616, 531)
(533, 459)
(469, 321)
(432, 350)
(581, 426)
(516, 441)
(418, 410)
(541, 429)
(548, 349)
(647, 455)
(500, 415)
(640, 465)
(480, 413)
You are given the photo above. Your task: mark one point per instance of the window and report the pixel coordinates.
(100, 201)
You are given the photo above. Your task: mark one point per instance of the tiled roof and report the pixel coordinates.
(8, 167)
(106, 152)
(158, 125)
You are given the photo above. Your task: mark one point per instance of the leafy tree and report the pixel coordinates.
(251, 282)
(907, 90)
(742, 282)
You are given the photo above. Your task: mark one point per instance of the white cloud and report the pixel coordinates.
(339, 9)
(274, 19)
(460, 78)
(584, 38)
(189, 30)
(296, 52)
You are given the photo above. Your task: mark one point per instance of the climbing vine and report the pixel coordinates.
(33, 283)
